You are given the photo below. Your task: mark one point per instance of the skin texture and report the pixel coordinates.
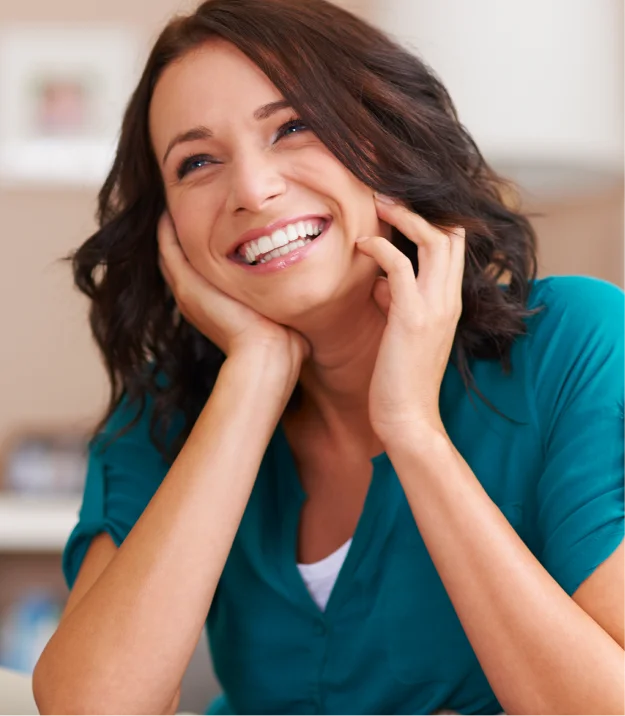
(370, 354)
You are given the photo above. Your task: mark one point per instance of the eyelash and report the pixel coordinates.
(186, 165)
(291, 124)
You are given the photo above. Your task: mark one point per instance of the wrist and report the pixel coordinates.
(415, 439)
(265, 369)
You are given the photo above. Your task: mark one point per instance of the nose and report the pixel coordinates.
(255, 181)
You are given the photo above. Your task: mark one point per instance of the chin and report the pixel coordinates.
(311, 303)
(297, 311)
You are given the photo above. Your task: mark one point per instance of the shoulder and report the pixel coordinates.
(575, 316)
(575, 306)
(573, 352)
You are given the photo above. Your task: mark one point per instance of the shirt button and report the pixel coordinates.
(320, 629)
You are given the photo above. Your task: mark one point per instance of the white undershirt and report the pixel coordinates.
(320, 577)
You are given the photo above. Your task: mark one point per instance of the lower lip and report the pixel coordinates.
(293, 257)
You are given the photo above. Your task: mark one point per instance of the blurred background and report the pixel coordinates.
(539, 84)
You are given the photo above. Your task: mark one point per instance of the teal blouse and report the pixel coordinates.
(389, 641)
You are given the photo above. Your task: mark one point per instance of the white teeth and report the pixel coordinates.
(265, 244)
(283, 250)
(280, 239)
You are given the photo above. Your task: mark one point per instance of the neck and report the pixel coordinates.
(335, 380)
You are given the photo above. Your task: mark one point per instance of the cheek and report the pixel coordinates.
(360, 208)
(349, 199)
(193, 218)
(316, 168)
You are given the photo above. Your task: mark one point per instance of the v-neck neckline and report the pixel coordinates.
(366, 529)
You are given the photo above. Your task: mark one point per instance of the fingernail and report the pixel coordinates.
(360, 239)
(384, 198)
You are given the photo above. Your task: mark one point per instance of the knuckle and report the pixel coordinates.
(459, 233)
(441, 241)
(416, 327)
(161, 238)
(452, 313)
(420, 322)
(164, 226)
(439, 316)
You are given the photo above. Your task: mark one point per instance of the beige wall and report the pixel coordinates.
(582, 234)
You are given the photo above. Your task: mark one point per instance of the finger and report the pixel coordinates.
(398, 268)
(382, 294)
(165, 231)
(411, 225)
(173, 260)
(164, 271)
(457, 264)
(434, 246)
(187, 285)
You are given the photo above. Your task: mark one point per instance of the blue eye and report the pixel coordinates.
(294, 126)
(192, 163)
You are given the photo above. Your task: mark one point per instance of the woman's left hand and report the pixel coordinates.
(422, 315)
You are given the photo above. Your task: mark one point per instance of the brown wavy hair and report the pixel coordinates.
(382, 112)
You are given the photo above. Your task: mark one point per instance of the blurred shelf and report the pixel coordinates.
(36, 524)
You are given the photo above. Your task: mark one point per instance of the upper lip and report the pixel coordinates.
(270, 228)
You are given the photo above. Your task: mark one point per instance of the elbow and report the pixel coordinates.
(49, 697)
(174, 704)
(49, 700)
(40, 691)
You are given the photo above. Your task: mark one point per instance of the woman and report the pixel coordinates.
(389, 480)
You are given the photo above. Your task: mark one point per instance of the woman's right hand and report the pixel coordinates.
(233, 327)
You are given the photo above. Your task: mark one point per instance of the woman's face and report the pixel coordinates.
(244, 178)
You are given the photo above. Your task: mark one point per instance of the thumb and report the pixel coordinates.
(382, 294)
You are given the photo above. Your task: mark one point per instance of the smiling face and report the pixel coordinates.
(262, 208)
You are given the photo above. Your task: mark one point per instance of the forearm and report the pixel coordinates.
(539, 650)
(126, 645)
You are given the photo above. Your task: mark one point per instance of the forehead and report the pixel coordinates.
(211, 85)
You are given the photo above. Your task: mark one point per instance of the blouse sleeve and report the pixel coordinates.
(577, 361)
(122, 476)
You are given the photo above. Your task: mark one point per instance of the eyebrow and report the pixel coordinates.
(203, 132)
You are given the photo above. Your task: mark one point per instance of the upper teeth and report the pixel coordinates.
(280, 238)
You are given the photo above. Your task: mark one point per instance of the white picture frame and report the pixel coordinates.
(63, 91)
